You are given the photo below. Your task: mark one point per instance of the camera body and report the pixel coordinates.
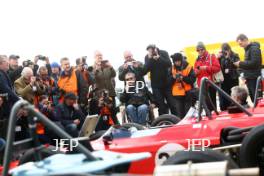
(103, 63)
(27, 63)
(43, 58)
(224, 53)
(178, 76)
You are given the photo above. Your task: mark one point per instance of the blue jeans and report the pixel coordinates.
(72, 129)
(138, 114)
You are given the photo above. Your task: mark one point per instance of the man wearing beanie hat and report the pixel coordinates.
(182, 79)
(55, 71)
(206, 65)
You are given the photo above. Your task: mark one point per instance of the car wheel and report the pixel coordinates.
(165, 119)
(45, 152)
(182, 157)
(137, 126)
(251, 151)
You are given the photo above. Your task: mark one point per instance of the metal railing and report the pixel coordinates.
(34, 115)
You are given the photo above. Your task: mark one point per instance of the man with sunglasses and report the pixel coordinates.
(206, 65)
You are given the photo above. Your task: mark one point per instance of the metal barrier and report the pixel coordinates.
(205, 82)
(34, 115)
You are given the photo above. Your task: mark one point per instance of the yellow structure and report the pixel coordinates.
(191, 54)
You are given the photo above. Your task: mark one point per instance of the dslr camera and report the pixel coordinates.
(43, 58)
(178, 76)
(27, 63)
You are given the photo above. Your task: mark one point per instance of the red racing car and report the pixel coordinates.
(212, 130)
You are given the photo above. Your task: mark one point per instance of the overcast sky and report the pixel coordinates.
(74, 28)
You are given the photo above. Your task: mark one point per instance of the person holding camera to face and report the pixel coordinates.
(48, 86)
(158, 63)
(27, 86)
(82, 69)
(103, 105)
(131, 65)
(182, 78)
(36, 66)
(227, 57)
(104, 74)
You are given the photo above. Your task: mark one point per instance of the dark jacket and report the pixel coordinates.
(159, 69)
(228, 68)
(190, 79)
(14, 74)
(67, 114)
(139, 72)
(251, 66)
(137, 97)
(103, 80)
(7, 88)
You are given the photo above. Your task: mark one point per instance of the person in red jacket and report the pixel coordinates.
(206, 65)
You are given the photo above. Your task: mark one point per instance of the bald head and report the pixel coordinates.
(128, 56)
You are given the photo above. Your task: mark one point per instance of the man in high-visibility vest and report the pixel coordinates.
(183, 78)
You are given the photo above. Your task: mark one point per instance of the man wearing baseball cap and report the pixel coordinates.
(15, 70)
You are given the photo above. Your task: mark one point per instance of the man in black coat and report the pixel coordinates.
(14, 71)
(6, 86)
(251, 66)
(131, 65)
(158, 63)
(7, 97)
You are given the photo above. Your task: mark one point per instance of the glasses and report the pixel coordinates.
(128, 79)
(199, 50)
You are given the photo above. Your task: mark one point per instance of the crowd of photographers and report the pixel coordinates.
(66, 94)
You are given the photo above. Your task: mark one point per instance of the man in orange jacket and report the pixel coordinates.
(71, 81)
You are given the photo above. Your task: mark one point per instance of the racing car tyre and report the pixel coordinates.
(44, 152)
(137, 126)
(97, 135)
(165, 119)
(251, 147)
(182, 157)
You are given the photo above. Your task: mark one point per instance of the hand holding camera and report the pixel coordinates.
(33, 80)
(178, 77)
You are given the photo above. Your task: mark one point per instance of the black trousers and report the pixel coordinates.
(211, 101)
(180, 102)
(227, 86)
(251, 85)
(161, 95)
